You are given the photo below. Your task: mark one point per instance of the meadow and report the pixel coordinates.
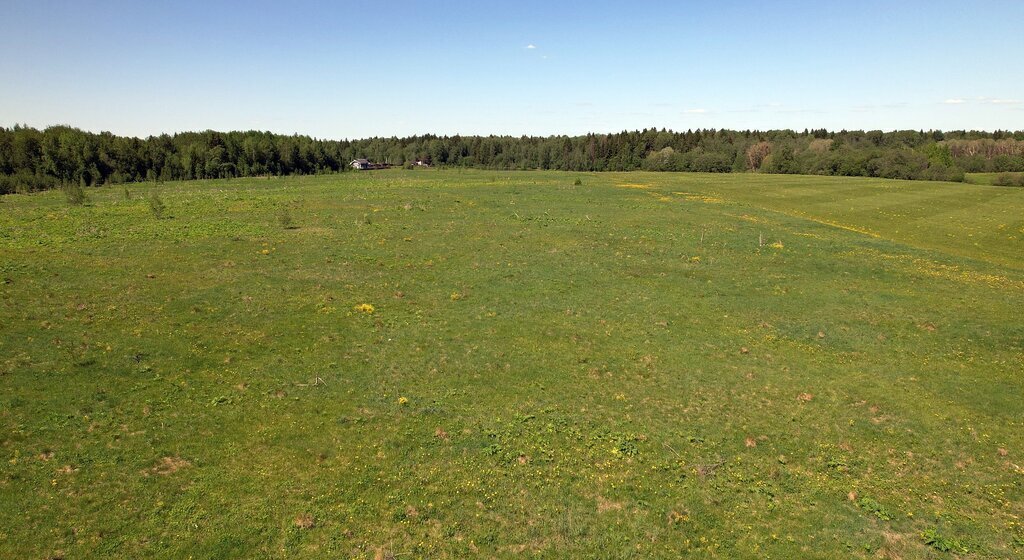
(469, 363)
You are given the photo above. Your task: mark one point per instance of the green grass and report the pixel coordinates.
(641, 365)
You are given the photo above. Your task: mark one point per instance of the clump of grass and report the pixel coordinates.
(157, 206)
(127, 194)
(75, 194)
(578, 182)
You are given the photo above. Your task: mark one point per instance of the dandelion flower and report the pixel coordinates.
(365, 308)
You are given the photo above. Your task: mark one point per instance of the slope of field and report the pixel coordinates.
(447, 364)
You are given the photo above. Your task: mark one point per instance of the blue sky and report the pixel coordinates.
(359, 69)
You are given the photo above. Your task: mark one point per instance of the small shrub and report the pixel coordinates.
(75, 194)
(284, 218)
(127, 194)
(157, 206)
(578, 182)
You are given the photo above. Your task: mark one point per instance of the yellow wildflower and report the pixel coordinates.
(365, 308)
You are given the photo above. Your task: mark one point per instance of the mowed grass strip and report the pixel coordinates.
(452, 363)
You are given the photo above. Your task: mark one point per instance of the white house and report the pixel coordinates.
(361, 164)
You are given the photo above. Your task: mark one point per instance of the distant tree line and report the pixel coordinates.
(32, 159)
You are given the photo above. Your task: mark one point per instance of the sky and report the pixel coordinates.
(359, 69)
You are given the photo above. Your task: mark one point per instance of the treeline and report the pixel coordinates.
(32, 159)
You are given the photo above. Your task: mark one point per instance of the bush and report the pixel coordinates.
(712, 163)
(157, 206)
(75, 194)
(1009, 180)
(940, 172)
(24, 181)
(1004, 162)
(577, 182)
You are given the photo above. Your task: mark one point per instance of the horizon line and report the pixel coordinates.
(806, 130)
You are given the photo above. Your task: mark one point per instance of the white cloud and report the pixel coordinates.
(954, 101)
(1006, 101)
(695, 111)
(530, 46)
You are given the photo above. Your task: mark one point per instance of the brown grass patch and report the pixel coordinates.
(678, 517)
(604, 505)
(168, 466)
(708, 470)
(895, 546)
(304, 521)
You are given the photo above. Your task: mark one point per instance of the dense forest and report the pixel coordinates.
(32, 159)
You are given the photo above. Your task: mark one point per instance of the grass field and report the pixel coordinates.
(451, 364)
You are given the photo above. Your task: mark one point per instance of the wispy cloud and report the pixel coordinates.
(955, 101)
(531, 46)
(1006, 101)
(695, 111)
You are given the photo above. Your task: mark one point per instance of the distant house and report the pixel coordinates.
(365, 164)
